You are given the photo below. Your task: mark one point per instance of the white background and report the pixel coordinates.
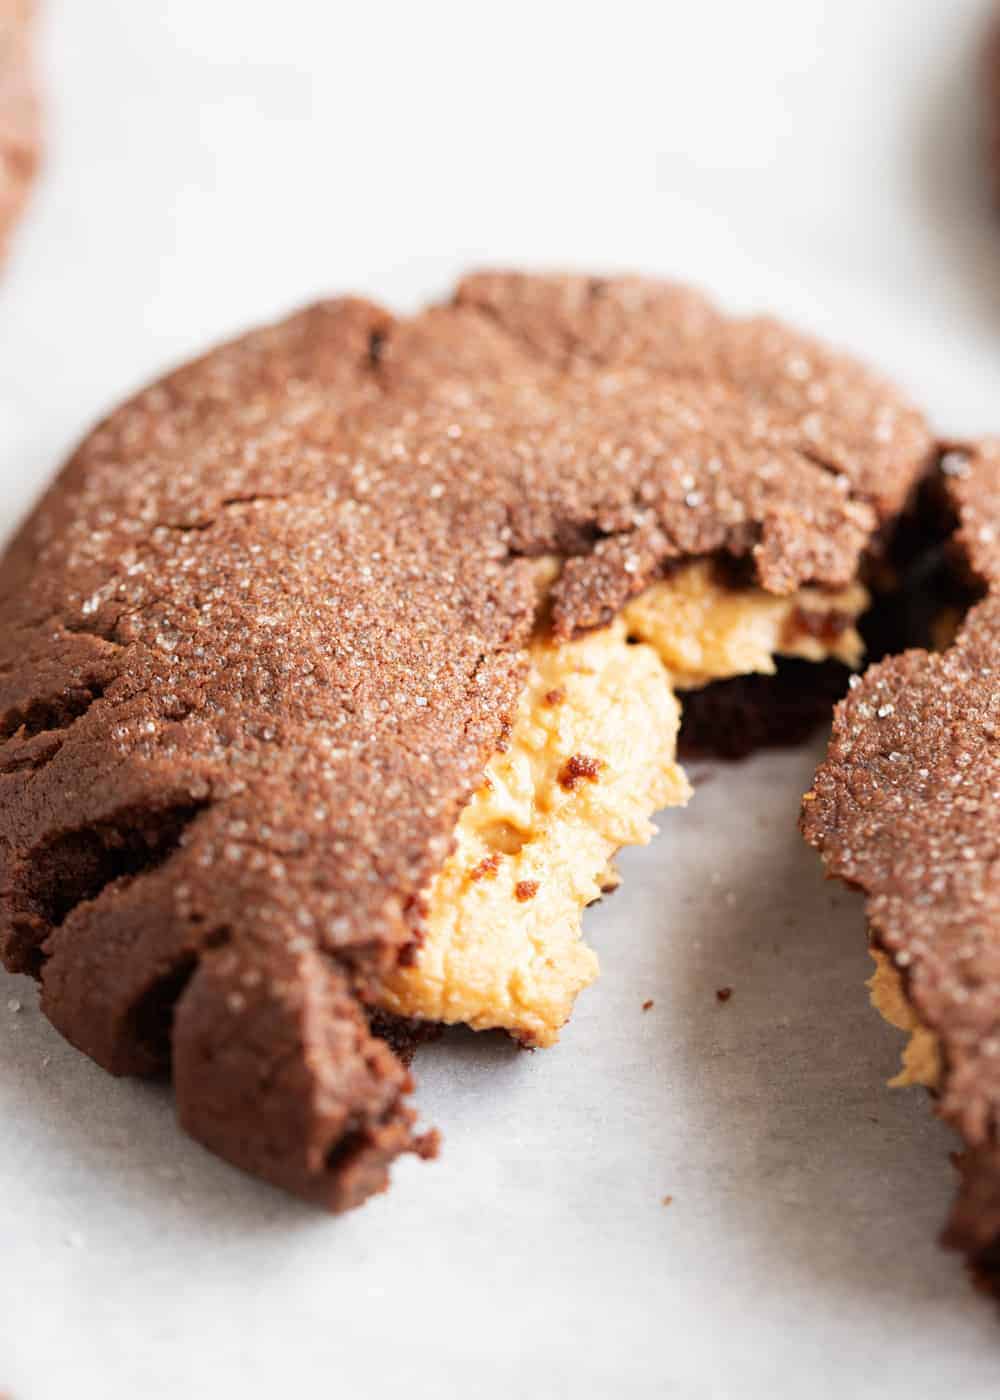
(212, 163)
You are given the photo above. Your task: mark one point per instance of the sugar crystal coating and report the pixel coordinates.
(907, 808)
(259, 641)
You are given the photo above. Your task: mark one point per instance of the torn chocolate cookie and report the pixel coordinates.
(906, 808)
(335, 666)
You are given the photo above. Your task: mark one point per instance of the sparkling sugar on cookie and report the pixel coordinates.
(274, 658)
(905, 808)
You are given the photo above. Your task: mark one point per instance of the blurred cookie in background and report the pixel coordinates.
(20, 111)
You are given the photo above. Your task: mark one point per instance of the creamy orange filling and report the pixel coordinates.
(704, 631)
(922, 1052)
(591, 757)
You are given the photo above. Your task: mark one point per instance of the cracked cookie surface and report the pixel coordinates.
(262, 637)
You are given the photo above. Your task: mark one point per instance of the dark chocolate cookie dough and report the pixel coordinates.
(259, 640)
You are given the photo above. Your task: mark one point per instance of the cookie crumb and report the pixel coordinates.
(525, 890)
(578, 766)
(647, 1005)
(666, 1200)
(487, 867)
(723, 993)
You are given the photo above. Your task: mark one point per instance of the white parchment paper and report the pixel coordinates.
(212, 164)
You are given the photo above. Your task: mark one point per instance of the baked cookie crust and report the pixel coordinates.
(906, 808)
(260, 640)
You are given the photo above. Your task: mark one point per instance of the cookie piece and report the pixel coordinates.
(265, 635)
(20, 114)
(905, 808)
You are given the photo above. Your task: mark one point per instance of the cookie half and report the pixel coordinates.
(335, 667)
(20, 115)
(907, 809)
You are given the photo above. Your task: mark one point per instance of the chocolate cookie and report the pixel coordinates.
(20, 118)
(906, 809)
(309, 623)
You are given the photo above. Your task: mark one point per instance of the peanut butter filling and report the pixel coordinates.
(591, 757)
(922, 1053)
(704, 631)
